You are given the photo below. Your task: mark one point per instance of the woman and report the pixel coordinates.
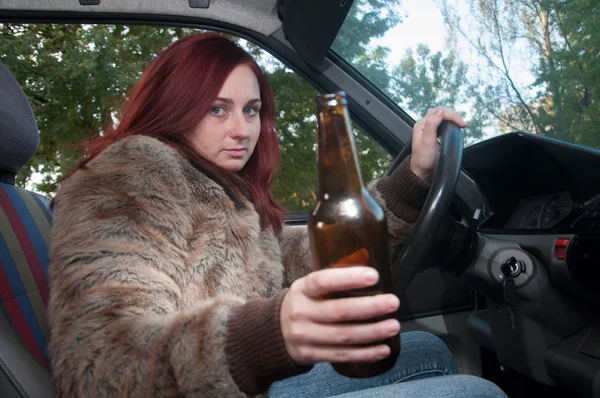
(171, 273)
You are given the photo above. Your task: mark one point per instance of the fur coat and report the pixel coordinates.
(161, 287)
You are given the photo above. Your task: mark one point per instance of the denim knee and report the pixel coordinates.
(453, 386)
(428, 342)
(473, 386)
(423, 355)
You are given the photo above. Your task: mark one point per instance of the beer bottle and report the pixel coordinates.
(347, 226)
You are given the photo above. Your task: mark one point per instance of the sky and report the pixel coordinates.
(422, 22)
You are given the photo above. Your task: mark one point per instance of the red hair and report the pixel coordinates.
(173, 95)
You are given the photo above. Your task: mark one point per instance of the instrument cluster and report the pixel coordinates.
(541, 212)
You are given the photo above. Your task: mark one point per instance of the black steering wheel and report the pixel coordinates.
(416, 250)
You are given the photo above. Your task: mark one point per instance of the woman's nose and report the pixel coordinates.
(240, 128)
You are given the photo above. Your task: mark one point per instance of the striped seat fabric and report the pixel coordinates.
(24, 242)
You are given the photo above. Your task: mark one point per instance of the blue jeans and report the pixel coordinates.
(423, 356)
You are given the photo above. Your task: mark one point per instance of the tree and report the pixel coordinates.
(423, 80)
(296, 124)
(367, 20)
(560, 40)
(75, 76)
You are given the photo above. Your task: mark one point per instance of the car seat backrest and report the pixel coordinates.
(25, 224)
(24, 242)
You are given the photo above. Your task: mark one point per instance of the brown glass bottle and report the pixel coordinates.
(347, 226)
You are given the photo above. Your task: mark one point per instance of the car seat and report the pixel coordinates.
(25, 224)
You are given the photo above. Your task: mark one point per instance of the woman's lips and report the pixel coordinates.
(236, 152)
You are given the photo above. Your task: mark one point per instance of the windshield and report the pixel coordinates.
(506, 65)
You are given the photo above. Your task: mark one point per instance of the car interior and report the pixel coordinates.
(503, 263)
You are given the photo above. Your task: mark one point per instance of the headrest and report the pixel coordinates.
(19, 136)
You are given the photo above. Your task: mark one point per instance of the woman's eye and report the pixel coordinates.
(217, 110)
(250, 111)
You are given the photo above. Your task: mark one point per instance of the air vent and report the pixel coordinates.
(583, 258)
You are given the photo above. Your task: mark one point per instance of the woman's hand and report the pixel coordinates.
(317, 329)
(425, 151)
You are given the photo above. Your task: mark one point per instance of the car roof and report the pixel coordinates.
(308, 26)
(256, 15)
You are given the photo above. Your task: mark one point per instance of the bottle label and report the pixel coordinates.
(359, 257)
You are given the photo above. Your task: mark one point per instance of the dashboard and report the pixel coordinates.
(541, 211)
(541, 200)
(534, 184)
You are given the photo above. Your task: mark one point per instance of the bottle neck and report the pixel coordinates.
(339, 171)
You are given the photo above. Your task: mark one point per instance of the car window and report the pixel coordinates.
(505, 65)
(76, 75)
(296, 185)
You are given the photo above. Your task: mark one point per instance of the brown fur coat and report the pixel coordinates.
(161, 287)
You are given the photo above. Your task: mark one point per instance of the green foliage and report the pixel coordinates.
(560, 42)
(570, 79)
(75, 77)
(423, 80)
(420, 81)
(296, 124)
(367, 20)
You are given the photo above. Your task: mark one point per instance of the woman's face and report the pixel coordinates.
(228, 134)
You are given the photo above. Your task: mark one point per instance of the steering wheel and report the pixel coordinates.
(417, 248)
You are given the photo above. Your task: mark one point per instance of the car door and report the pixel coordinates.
(435, 301)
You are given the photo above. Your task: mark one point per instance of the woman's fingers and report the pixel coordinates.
(348, 334)
(313, 354)
(324, 282)
(427, 127)
(354, 309)
(320, 284)
(316, 328)
(452, 116)
(425, 149)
